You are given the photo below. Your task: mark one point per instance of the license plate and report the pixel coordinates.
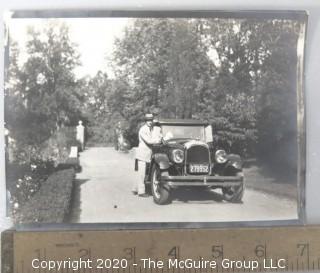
(198, 168)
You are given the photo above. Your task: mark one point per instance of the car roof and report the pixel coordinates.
(182, 122)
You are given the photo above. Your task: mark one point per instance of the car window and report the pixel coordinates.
(180, 131)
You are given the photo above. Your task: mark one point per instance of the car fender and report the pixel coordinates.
(162, 160)
(235, 161)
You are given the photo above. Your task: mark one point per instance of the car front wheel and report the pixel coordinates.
(234, 194)
(160, 193)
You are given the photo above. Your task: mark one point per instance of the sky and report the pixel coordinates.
(94, 36)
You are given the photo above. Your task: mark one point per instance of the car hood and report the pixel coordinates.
(185, 142)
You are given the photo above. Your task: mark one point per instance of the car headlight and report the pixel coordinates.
(178, 156)
(221, 156)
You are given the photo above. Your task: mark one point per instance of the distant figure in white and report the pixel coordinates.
(80, 134)
(9, 146)
(6, 143)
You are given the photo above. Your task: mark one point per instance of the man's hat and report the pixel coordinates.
(148, 117)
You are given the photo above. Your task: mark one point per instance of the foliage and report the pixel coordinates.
(234, 123)
(94, 108)
(51, 204)
(54, 150)
(42, 95)
(236, 73)
(33, 164)
(23, 181)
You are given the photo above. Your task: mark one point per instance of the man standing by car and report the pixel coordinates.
(143, 153)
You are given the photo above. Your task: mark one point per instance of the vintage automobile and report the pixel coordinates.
(187, 158)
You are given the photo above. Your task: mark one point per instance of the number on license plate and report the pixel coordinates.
(198, 168)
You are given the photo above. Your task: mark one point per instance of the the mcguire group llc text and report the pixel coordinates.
(224, 263)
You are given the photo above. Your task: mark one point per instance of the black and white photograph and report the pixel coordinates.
(154, 117)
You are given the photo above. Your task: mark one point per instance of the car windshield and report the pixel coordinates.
(181, 131)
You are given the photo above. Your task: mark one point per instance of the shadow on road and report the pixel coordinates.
(196, 195)
(75, 211)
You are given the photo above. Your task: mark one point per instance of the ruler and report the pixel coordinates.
(290, 248)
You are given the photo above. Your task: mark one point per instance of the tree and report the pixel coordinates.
(47, 91)
(141, 59)
(161, 68)
(50, 85)
(235, 73)
(256, 58)
(95, 110)
(277, 96)
(42, 94)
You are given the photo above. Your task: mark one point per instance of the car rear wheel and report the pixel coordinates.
(234, 194)
(160, 193)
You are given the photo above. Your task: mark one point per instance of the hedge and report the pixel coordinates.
(71, 162)
(51, 203)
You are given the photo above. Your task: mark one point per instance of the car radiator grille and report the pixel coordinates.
(195, 155)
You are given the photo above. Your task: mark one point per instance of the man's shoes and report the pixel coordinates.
(143, 195)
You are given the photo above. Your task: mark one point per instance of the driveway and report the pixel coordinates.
(103, 195)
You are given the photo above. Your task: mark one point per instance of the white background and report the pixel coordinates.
(312, 74)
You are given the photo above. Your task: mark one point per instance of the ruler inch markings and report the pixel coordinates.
(298, 245)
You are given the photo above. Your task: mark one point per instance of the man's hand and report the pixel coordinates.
(168, 136)
(163, 141)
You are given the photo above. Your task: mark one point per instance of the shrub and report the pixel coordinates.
(70, 163)
(51, 203)
(23, 181)
(55, 149)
